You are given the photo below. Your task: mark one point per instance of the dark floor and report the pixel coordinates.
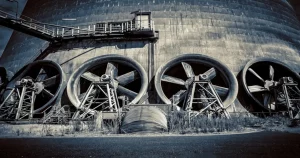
(263, 144)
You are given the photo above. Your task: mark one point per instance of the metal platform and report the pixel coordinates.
(141, 27)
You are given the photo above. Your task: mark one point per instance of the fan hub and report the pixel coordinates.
(105, 77)
(38, 87)
(269, 84)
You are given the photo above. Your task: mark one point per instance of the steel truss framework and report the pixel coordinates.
(100, 96)
(203, 97)
(291, 94)
(32, 92)
(19, 104)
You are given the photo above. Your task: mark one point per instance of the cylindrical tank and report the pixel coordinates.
(233, 32)
(144, 119)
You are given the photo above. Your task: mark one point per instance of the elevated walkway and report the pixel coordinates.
(140, 27)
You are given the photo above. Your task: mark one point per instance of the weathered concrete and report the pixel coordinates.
(233, 31)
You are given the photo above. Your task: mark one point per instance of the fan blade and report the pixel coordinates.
(51, 81)
(188, 69)
(111, 70)
(256, 88)
(174, 80)
(269, 101)
(178, 97)
(124, 91)
(209, 74)
(255, 74)
(271, 73)
(48, 93)
(222, 91)
(128, 78)
(41, 75)
(90, 76)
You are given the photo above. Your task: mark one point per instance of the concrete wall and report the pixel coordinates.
(233, 31)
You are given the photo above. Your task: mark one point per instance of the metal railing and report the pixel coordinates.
(27, 22)
(100, 28)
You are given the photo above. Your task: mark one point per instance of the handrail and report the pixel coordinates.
(59, 31)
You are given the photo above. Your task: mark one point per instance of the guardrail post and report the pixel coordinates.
(72, 32)
(104, 28)
(63, 32)
(89, 28)
(78, 30)
(57, 32)
(153, 26)
(122, 27)
(94, 29)
(110, 28)
(130, 25)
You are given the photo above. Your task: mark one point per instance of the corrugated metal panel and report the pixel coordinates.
(144, 119)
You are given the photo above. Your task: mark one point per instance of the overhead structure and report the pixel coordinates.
(196, 83)
(32, 91)
(272, 85)
(140, 27)
(102, 82)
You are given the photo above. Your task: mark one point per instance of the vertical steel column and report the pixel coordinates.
(21, 102)
(109, 97)
(190, 106)
(218, 99)
(288, 103)
(32, 105)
